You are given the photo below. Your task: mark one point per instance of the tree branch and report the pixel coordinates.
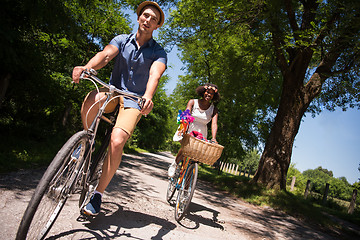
(292, 18)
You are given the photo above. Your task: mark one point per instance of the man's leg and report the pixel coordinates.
(89, 109)
(112, 162)
(125, 125)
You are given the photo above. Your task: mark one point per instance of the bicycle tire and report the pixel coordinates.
(171, 189)
(185, 195)
(51, 193)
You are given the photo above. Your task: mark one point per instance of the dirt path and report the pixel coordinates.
(134, 207)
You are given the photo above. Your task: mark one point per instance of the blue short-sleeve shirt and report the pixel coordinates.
(132, 64)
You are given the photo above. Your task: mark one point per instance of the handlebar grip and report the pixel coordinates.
(141, 102)
(93, 71)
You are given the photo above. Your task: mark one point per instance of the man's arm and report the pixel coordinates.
(156, 71)
(97, 62)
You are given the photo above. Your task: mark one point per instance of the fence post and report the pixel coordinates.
(326, 193)
(352, 203)
(245, 171)
(240, 171)
(236, 169)
(307, 188)
(249, 172)
(232, 168)
(292, 183)
(221, 166)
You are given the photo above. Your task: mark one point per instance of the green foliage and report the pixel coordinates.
(263, 52)
(153, 131)
(40, 43)
(300, 182)
(217, 47)
(339, 187)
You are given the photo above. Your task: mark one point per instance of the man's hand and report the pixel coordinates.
(148, 106)
(76, 73)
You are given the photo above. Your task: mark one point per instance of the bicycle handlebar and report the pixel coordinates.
(91, 74)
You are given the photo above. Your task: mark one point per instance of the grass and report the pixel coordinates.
(25, 153)
(309, 210)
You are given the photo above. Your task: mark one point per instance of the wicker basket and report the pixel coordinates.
(200, 150)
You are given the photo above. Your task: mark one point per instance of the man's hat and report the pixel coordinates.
(147, 3)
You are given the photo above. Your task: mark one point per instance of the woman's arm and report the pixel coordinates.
(214, 125)
(190, 105)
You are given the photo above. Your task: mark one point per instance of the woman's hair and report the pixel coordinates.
(200, 90)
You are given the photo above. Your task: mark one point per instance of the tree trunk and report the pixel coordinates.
(66, 114)
(4, 83)
(275, 159)
(295, 99)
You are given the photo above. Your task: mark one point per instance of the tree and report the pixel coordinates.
(214, 51)
(317, 49)
(251, 159)
(339, 187)
(40, 43)
(274, 61)
(153, 131)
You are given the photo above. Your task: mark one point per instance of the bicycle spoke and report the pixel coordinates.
(54, 188)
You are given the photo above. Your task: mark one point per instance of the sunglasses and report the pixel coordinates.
(211, 87)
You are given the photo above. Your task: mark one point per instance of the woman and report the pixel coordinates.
(203, 111)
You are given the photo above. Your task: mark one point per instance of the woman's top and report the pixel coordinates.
(201, 118)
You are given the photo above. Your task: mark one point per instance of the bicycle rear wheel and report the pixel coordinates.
(58, 181)
(186, 191)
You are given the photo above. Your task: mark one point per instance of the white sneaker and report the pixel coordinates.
(172, 169)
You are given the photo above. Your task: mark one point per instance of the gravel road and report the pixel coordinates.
(134, 207)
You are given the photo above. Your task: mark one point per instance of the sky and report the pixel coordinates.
(330, 140)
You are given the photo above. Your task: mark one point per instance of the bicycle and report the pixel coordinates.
(74, 168)
(184, 181)
(194, 151)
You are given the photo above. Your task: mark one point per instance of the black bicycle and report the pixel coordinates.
(76, 168)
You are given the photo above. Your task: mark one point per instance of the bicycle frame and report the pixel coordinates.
(185, 167)
(92, 130)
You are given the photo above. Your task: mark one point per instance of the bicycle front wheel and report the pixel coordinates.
(57, 183)
(186, 191)
(171, 189)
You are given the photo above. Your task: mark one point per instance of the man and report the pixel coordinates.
(139, 64)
